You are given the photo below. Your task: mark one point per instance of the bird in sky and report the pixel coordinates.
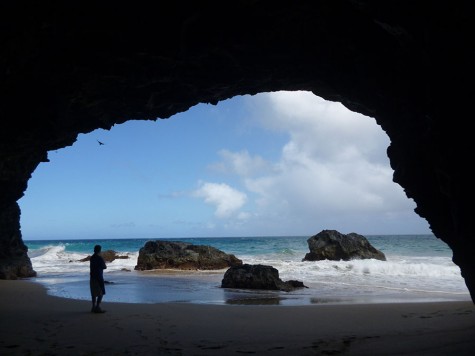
(100, 143)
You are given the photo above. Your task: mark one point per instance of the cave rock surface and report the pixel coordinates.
(68, 68)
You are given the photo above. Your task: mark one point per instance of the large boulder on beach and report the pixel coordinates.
(184, 256)
(257, 277)
(333, 245)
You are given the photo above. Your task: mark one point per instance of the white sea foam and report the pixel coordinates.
(409, 274)
(54, 259)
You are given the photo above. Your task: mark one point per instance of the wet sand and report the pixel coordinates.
(34, 323)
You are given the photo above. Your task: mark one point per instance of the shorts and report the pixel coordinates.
(97, 287)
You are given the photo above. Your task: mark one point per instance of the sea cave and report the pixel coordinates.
(68, 69)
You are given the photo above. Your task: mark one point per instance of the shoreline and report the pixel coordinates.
(205, 288)
(33, 322)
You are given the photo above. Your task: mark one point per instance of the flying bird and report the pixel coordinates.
(100, 143)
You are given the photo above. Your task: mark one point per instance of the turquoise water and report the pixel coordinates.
(418, 268)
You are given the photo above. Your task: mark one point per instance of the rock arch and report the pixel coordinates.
(68, 68)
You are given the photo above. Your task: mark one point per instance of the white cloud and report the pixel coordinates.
(333, 170)
(226, 199)
(334, 160)
(324, 130)
(241, 163)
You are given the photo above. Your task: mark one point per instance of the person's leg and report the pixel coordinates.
(98, 305)
(93, 303)
(93, 294)
(101, 292)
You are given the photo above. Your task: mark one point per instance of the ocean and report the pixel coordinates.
(419, 268)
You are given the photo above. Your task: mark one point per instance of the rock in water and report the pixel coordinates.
(257, 277)
(332, 245)
(185, 256)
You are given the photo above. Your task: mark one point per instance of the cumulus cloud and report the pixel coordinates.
(322, 129)
(241, 163)
(226, 199)
(334, 160)
(333, 169)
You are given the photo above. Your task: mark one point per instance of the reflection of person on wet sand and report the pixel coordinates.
(97, 266)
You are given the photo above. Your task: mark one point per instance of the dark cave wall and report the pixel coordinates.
(67, 69)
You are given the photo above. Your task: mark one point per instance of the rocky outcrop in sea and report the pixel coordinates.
(333, 245)
(185, 256)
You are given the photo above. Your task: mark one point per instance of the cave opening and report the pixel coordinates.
(249, 169)
(71, 69)
(273, 164)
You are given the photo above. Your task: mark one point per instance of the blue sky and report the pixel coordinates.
(273, 164)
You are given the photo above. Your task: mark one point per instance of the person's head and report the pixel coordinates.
(97, 249)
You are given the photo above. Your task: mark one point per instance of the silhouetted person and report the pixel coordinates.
(96, 282)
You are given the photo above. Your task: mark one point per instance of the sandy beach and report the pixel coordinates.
(34, 323)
